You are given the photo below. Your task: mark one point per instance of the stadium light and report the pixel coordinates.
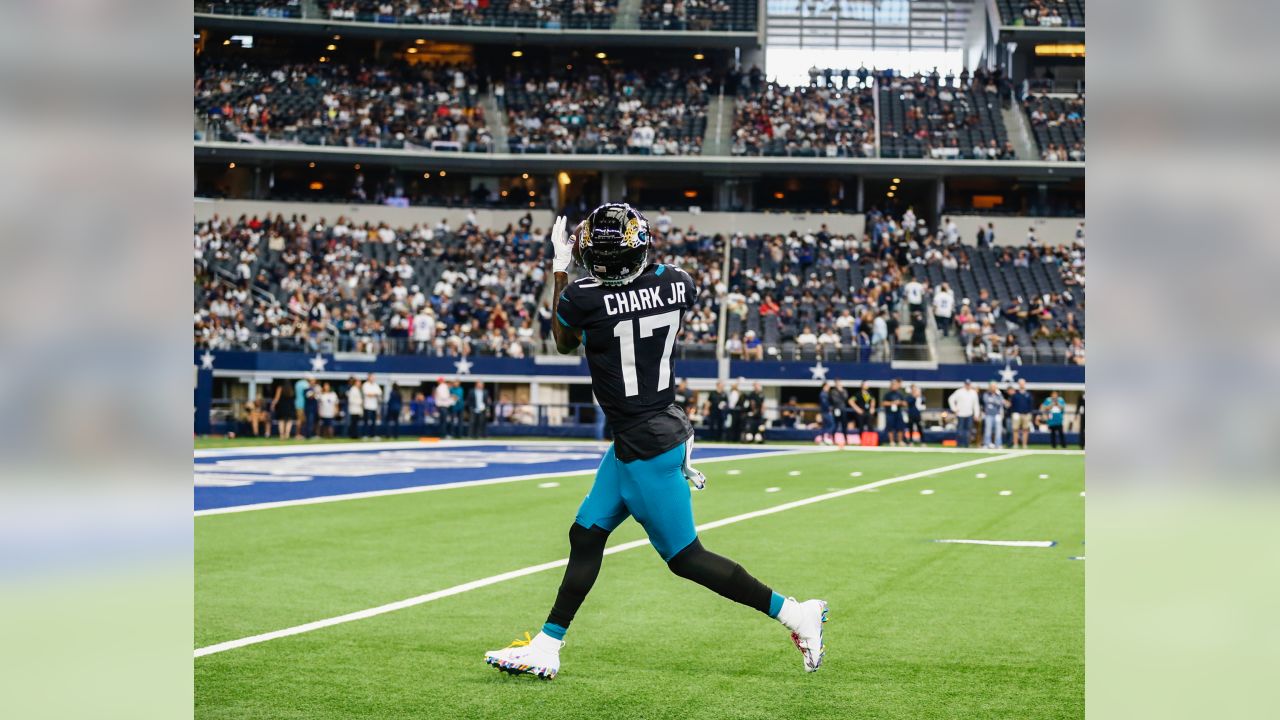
(517, 53)
(324, 59)
(311, 165)
(330, 46)
(420, 41)
(426, 176)
(357, 166)
(893, 187)
(337, 37)
(889, 194)
(896, 181)
(564, 178)
(601, 56)
(443, 173)
(779, 195)
(532, 193)
(413, 51)
(316, 185)
(699, 56)
(525, 176)
(231, 166)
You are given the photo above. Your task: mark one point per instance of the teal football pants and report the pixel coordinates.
(654, 491)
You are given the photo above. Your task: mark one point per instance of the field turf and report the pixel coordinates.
(918, 629)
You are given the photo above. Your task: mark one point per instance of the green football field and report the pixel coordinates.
(917, 629)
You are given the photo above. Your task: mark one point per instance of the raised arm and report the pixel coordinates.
(567, 339)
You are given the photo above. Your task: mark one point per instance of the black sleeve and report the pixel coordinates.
(568, 312)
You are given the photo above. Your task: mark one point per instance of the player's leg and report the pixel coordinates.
(601, 511)
(656, 493)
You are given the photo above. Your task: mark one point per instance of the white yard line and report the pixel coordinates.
(503, 577)
(473, 483)
(1006, 543)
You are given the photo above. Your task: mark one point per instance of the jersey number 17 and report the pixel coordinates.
(625, 332)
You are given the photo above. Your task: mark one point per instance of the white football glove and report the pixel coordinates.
(562, 245)
(691, 473)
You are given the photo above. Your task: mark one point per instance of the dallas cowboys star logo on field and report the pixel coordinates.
(1008, 374)
(318, 362)
(206, 361)
(462, 366)
(819, 371)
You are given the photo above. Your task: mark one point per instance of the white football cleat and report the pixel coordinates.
(539, 656)
(806, 631)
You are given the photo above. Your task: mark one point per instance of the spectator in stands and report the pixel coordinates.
(355, 407)
(811, 122)
(944, 302)
(752, 347)
(1054, 410)
(964, 405)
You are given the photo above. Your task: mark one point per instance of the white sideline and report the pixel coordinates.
(494, 579)
(1006, 543)
(472, 483)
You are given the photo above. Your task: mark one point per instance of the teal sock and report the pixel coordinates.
(558, 631)
(775, 605)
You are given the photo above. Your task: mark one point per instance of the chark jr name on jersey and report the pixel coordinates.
(626, 301)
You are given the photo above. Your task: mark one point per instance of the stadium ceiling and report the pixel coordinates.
(722, 166)
(477, 34)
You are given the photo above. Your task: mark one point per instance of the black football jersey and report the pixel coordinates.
(630, 334)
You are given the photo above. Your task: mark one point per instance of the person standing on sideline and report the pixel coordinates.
(372, 404)
(313, 407)
(993, 418)
(839, 413)
(915, 415)
(893, 421)
(717, 406)
(479, 406)
(355, 408)
(964, 405)
(944, 305)
(1055, 409)
(395, 405)
(282, 409)
(1080, 416)
(1022, 405)
(300, 389)
(327, 409)
(457, 408)
(444, 402)
(866, 408)
(734, 406)
(824, 409)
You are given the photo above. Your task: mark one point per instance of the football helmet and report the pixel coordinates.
(613, 243)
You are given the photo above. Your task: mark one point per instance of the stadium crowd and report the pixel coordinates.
(522, 13)
(686, 15)
(389, 106)
(301, 284)
(820, 121)
(607, 111)
(1058, 126)
(923, 116)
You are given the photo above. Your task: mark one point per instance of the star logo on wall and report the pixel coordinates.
(318, 362)
(1008, 374)
(819, 371)
(462, 366)
(206, 361)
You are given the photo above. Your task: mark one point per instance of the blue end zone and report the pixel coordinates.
(254, 476)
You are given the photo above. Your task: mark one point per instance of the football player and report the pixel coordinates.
(627, 311)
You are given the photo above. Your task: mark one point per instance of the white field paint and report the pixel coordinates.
(732, 472)
(772, 489)
(981, 476)
(469, 483)
(549, 485)
(855, 473)
(794, 473)
(1044, 476)
(926, 492)
(532, 569)
(1006, 492)
(1005, 543)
